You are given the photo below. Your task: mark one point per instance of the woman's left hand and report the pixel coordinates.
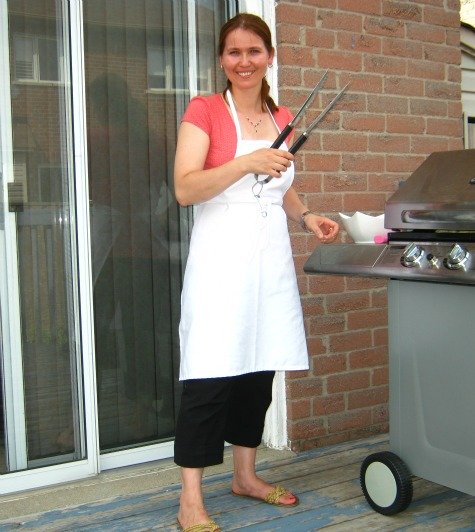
(324, 229)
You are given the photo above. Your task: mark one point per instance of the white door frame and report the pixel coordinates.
(28, 479)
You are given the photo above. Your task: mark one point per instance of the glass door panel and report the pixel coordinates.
(137, 60)
(41, 368)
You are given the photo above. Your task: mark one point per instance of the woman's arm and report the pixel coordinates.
(194, 185)
(324, 229)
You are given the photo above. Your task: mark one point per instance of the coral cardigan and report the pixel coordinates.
(211, 114)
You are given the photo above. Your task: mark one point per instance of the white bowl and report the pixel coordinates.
(363, 228)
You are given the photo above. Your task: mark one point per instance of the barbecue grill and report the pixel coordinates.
(429, 260)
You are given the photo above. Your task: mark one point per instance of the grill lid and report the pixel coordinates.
(439, 195)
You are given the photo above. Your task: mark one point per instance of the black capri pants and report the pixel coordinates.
(212, 411)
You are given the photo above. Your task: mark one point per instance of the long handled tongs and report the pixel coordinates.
(304, 136)
(291, 125)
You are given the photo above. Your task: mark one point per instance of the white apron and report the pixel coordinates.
(241, 309)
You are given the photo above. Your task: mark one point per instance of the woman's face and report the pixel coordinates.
(245, 59)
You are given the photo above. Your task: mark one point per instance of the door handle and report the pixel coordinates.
(16, 196)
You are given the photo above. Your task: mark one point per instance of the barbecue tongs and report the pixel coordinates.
(291, 125)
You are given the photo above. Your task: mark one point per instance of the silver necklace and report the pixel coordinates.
(255, 125)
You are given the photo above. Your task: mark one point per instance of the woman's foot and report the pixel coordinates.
(259, 489)
(190, 513)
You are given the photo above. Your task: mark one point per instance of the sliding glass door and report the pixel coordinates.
(92, 241)
(42, 413)
(137, 65)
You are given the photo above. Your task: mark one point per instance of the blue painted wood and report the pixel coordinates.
(326, 481)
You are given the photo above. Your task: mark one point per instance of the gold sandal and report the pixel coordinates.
(273, 497)
(209, 526)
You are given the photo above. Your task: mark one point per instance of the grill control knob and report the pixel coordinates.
(412, 255)
(456, 258)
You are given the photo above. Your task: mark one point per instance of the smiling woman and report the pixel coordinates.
(241, 317)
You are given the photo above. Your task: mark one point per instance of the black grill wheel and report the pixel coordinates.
(386, 483)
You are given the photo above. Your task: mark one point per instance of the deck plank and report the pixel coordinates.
(326, 480)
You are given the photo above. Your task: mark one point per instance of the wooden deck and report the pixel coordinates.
(326, 480)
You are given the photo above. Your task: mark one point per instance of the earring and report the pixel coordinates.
(221, 66)
(271, 65)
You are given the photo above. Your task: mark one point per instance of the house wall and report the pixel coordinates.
(404, 102)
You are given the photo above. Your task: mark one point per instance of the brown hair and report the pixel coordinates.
(249, 22)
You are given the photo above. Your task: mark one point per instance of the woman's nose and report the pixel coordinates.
(245, 59)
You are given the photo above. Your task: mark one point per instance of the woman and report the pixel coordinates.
(241, 313)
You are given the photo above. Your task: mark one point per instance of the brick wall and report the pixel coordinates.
(404, 102)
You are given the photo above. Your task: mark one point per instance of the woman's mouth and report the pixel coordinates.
(245, 74)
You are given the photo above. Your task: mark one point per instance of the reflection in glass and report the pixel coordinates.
(137, 87)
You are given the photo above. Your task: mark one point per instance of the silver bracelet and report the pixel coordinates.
(302, 219)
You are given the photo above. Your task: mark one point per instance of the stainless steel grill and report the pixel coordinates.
(430, 262)
(432, 228)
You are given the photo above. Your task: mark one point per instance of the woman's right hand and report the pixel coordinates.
(268, 161)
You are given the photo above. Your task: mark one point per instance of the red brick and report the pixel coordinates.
(351, 62)
(425, 70)
(403, 163)
(405, 124)
(319, 38)
(368, 358)
(322, 162)
(349, 420)
(366, 83)
(325, 203)
(384, 26)
(336, 21)
(370, 7)
(345, 183)
(330, 364)
(384, 65)
(402, 10)
(328, 404)
(316, 346)
(307, 429)
(389, 144)
(349, 341)
(299, 409)
(296, 14)
(441, 17)
(300, 389)
(327, 325)
(370, 397)
(364, 122)
(388, 105)
(404, 86)
(429, 144)
(364, 202)
(347, 301)
(442, 90)
(343, 141)
(403, 48)
(380, 414)
(445, 127)
(367, 319)
(288, 34)
(425, 33)
(356, 42)
(442, 54)
(296, 55)
(326, 284)
(380, 376)
(362, 163)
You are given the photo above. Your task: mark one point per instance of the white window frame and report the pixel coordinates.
(35, 60)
